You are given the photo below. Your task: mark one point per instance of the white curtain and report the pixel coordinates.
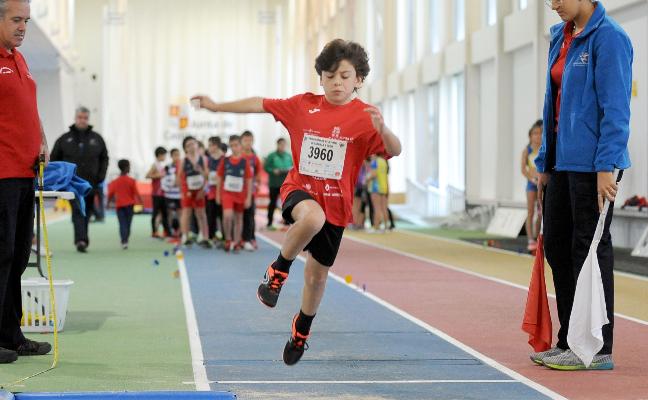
(157, 53)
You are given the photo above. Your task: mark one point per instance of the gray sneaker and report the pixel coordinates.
(569, 361)
(538, 357)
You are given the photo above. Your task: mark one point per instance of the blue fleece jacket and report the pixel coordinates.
(61, 176)
(594, 121)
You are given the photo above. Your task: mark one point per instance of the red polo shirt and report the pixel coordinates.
(20, 131)
(558, 68)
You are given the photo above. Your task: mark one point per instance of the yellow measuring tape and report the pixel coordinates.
(41, 202)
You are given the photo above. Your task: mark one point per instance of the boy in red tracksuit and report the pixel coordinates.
(124, 191)
(234, 194)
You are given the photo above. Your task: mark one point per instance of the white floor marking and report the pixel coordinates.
(476, 274)
(363, 382)
(501, 251)
(197, 357)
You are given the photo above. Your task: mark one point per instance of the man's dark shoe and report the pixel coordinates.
(7, 356)
(81, 247)
(32, 348)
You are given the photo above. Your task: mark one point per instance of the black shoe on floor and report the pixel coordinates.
(295, 347)
(7, 356)
(205, 244)
(32, 348)
(81, 247)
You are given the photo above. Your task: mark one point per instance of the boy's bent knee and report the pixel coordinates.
(315, 220)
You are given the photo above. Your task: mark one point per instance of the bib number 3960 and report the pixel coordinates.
(322, 157)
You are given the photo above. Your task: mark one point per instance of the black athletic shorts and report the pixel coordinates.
(325, 245)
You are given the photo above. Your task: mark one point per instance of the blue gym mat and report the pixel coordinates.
(121, 395)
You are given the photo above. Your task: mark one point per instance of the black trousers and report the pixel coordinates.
(160, 208)
(125, 217)
(80, 221)
(249, 224)
(272, 206)
(214, 217)
(570, 218)
(100, 206)
(172, 207)
(16, 232)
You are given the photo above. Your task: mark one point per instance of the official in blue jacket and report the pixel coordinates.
(585, 137)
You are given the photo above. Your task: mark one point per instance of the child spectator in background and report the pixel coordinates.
(155, 174)
(234, 194)
(529, 171)
(172, 194)
(249, 223)
(215, 156)
(192, 178)
(123, 191)
(277, 165)
(378, 189)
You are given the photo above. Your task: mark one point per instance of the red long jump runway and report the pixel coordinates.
(486, 316)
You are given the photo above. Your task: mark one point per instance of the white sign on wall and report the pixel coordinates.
(507, 222)
(641, 250)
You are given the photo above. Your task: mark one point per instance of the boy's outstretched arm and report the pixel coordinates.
(249, 105)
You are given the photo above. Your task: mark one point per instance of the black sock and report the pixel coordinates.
(282, 264)
(303, 323)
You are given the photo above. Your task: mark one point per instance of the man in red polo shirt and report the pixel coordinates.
(21, 141)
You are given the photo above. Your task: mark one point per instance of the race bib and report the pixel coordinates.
(168, 183)
(322, 157)
(195, 182)
(213, 178)
(234, 183)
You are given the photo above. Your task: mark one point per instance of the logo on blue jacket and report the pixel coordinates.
(582, 60)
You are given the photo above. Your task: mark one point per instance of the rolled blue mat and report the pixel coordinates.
(127, 395)
(4, 395)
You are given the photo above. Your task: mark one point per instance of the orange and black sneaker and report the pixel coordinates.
(296, 345)
(270, 287)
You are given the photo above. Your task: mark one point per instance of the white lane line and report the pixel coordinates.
(476, 274)
(628, 275)
(380, 382)
(489, 361)
(197, 357)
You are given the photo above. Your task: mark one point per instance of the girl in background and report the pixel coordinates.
(529, 171)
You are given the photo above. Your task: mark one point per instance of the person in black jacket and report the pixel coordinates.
(87, 149)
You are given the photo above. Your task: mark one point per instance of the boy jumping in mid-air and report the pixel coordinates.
(331, 135)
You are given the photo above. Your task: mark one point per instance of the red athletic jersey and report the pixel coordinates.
(182, 165)
(309, 116)
(559, 67)
(20, 130)
(232, 164)
(124, 190)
